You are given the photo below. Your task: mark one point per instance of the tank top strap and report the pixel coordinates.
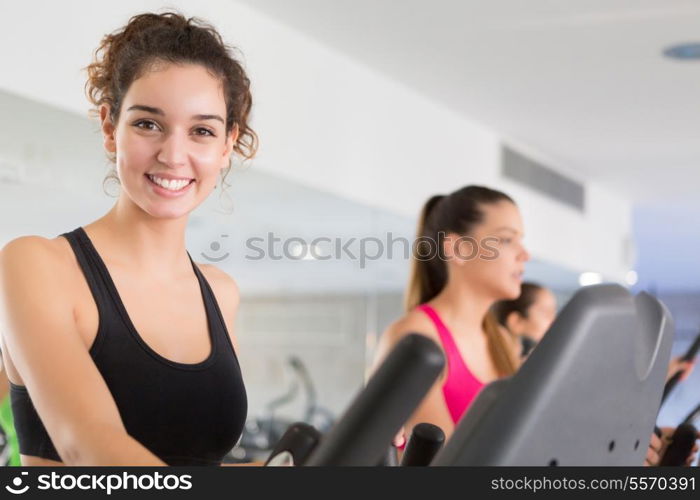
(85, 254)
(446, 339)
(460, 386)
(218, 325)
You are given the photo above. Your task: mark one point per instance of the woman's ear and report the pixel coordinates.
(459, 248)
(448, 249)
(108, 129)
(513, 323)
(231, 139)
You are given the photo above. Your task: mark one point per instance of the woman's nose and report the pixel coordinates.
(173, 151)
(524, 254)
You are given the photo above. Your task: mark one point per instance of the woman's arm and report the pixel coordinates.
(432, 409)
(41, 337)
(4, 383)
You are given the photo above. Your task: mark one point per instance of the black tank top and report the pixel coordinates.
(186, 414)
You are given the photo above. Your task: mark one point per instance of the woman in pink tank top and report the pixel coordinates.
(469, 255)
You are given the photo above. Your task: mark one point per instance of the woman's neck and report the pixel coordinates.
(145, 242)
(462, 305)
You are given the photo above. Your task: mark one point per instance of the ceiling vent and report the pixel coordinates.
(519, 168)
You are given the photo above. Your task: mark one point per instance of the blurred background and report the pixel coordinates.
(364, 109)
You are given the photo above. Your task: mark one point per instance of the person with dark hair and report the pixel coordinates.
(119, 348)
(469, 254)
(529, 316)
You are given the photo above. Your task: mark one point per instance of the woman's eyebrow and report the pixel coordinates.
(160, 112)
(208, 117)
(147, 109)
(510, 230)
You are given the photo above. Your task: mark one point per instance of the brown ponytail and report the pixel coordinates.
(457, 213)
(500, 346)
(428, 275)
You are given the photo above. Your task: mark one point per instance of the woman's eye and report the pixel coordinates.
(204, 132)
(506, 240)
(145, 125)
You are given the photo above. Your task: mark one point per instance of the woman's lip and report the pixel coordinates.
(170, 177)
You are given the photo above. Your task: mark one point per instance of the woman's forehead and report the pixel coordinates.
(189, 88)
(503, 216)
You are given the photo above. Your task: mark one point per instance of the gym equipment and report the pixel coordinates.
(261, 433)
(425, 442)
(682, 443)
(688, 356)
(692, 416)
(685, 434)
(362, 434)
(588, 395)
(295, 446)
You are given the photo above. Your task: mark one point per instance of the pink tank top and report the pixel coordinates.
(461, 386)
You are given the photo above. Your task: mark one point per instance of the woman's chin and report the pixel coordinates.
(169, 209)
(161, 212)
(512, 292)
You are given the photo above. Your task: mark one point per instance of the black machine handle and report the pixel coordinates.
(688, 356)
(682, 440)
(295, 445)
(685, 434)
(692, 350)
(424, 443)
(681, 444)
(692, 416)
(364, 432)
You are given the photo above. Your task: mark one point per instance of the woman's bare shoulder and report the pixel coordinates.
(38, 267)
(37, 254)
(414, 321)
(226, 294)
(221, 282)
(225, 291)
(36, 275)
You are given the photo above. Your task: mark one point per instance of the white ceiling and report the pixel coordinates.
(583, 81)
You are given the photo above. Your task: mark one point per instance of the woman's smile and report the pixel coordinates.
(169, 187)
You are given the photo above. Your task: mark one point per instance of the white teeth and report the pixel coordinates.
(170, 185)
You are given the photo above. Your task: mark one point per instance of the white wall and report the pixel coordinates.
(326, 121)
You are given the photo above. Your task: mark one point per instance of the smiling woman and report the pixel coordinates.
(119, 348)
(175, 134)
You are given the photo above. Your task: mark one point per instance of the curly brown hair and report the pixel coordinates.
(148, 39)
